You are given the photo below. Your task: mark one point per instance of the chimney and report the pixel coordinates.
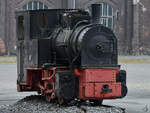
(96, 13)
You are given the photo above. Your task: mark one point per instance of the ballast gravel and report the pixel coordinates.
(37, 104)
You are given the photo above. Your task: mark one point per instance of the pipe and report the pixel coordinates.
(74, 4)
(76, 71)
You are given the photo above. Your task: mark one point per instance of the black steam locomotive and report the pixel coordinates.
(65, 54)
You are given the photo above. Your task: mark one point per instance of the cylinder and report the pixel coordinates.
(96, 13)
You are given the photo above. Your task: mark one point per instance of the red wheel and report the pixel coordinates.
(96, 102)
(61, 101)
(48, 97)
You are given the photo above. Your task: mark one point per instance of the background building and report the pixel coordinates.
(129, 19)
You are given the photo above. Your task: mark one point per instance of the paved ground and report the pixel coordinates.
(8, 77)
(138, 80)
(137, 101)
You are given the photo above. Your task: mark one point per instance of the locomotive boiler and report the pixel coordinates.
(65, 54)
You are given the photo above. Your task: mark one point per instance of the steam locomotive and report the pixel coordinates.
(65, 54)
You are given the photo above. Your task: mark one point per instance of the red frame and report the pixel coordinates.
(91, 82)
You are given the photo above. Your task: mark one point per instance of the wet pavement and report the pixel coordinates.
(138, 80)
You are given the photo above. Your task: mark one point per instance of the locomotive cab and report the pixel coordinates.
(67, 54)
